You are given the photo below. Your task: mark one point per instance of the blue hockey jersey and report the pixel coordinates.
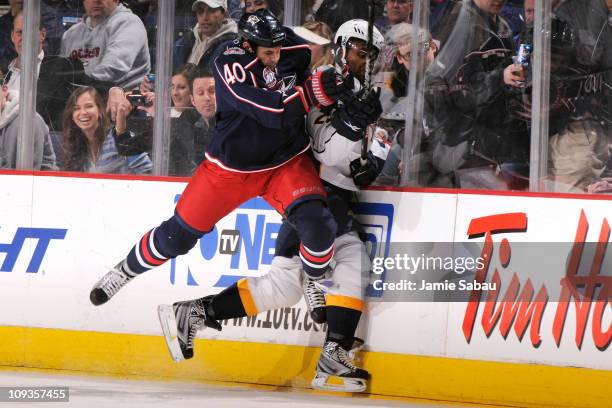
(260, 112)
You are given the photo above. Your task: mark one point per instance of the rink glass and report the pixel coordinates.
(529, 152)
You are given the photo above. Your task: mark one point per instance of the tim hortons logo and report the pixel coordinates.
(520, 310)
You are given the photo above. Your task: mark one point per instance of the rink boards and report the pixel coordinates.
(58, 235)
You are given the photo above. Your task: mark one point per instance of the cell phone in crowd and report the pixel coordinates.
(137, 100)
(151, 78)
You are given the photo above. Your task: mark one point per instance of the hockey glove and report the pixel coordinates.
(364, 174)
(357, 113)
(324, 87)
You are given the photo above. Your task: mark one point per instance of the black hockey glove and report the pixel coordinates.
(324, 87)
(356, 114)
(364, 174)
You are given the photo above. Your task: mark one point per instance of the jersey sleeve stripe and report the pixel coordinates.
(265, 108)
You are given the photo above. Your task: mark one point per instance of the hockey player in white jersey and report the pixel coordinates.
(336, 133)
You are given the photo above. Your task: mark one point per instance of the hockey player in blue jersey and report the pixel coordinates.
(336, 134)
(258, 148)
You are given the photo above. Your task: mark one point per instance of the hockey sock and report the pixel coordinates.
(316, 229)
(143, 256)
(169, 240)
(226, 304)
(341, 325)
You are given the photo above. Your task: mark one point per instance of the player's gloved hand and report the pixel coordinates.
(364, 173)
(357, 113)
(324, 87)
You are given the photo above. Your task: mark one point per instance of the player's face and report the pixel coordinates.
(203, 98)
(399, 10)
(179, 92)
(86, 114)
(209, 19)
(251, 6)
(269, 56)
(99, 9)
(356, 58)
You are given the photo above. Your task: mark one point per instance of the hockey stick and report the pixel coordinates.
(368, 73)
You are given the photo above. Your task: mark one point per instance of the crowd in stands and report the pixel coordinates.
(96, 86)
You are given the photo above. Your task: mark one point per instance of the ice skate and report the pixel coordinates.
(336, 364)
(108, 285)
(180, 323)
(315, 299)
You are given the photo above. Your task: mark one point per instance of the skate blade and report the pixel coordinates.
(327, 382)
(167, 320)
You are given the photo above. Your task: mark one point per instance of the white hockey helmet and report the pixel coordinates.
(358, 28)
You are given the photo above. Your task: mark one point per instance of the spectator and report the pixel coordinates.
(189, 132)
(203, 100)
(111, 42)
(399, 11)
(57, 78)
(529, 12)
(580, 121)
(13, 76)
(89, 138)
(319, 37)
(395, 103)
(179, 89)
(335, 12)
(44, 156)
(11, 86)
(7, 50)
(399, 39)
(201, 45)
(443, 18)
(467, 90)
(251, 6)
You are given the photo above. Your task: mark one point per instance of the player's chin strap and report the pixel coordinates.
(368, 74)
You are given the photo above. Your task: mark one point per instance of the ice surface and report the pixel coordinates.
(112, 392)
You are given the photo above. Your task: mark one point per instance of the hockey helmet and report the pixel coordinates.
(358, 29)
(261, 28)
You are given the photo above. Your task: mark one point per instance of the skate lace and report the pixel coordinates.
(113, 281)
(196, 322)
(345, 358)
(314, 295)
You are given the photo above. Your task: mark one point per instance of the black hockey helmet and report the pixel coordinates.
(261, 28)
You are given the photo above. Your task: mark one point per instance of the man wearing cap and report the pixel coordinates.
(201, 45)
(111, 43)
